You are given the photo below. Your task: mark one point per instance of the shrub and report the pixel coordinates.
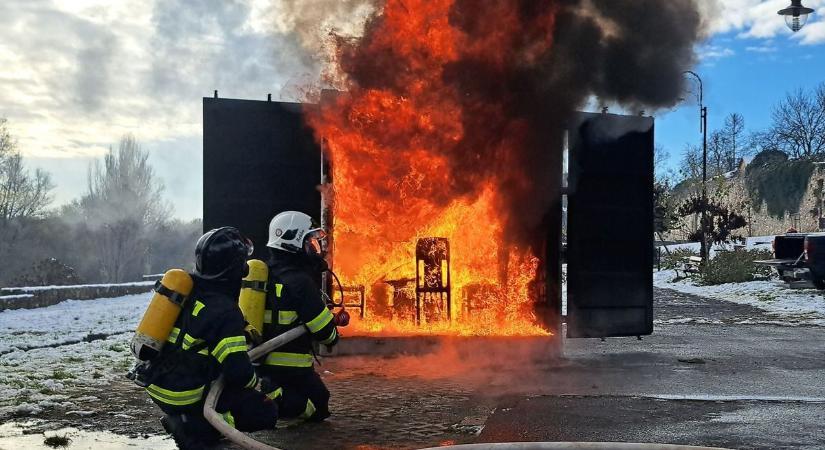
(735, 267)
(719, 221)
(48, 272)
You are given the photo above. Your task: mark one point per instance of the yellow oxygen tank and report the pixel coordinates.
(253, 293)
(159, 319)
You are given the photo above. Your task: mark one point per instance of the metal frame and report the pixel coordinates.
(432, 261)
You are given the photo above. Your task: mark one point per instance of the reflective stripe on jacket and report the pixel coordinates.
(207, 340)
(294, 301)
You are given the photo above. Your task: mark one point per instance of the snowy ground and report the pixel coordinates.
(148, 284)
(786, 306)
(50, 355)
(789, 306)
(754, 242)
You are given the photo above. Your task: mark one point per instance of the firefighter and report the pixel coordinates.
(209, 340)
(296, 260)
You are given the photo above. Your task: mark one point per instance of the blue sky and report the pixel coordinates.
(746, 75)
(75, 75)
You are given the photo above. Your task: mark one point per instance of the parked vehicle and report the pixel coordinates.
(798, 257)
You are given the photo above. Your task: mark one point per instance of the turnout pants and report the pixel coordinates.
(300, 393)
(243, 408)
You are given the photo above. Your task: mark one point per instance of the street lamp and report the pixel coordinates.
(796, 15)
(703, 127)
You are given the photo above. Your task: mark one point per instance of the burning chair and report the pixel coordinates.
(432, 279)
(359, 302)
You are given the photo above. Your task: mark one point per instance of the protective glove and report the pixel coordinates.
(341, 318)
(253, 336)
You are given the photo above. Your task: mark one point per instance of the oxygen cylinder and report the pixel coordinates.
(253, 293)
(159, 319)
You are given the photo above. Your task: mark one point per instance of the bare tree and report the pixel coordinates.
(760, 141)
(717, 153)
(125, 186)
(22, 194)
(690, 166)
(7, 142)
(799, 123)
(660, 157)
(121, 208)
(820, 96)
(734, 133)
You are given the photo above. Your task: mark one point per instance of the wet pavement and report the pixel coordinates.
(703, 378)
(731, 424)
(26, 436)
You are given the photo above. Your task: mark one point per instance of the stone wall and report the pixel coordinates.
(734, 193)
(40, 296)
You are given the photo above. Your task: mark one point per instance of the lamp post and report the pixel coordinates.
(795, 15)
(703, 125)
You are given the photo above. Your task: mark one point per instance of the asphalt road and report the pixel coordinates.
(729, 385)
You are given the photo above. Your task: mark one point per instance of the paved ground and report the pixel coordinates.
(738, 386)
(702, 378)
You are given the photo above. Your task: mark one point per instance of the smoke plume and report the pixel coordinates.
(512, 72)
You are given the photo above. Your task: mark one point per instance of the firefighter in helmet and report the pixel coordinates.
(208, 340)
(296, 259)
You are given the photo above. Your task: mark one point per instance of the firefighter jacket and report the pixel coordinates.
(294, 300)
(207, 340)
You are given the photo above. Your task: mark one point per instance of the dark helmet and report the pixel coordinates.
(222, 253)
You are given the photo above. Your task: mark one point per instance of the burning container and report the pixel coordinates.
(445, 272)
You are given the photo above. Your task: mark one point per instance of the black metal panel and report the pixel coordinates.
(259, 158)
(610, 226)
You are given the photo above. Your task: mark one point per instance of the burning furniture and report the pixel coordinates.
(402, 301)
(359, 302)
(432, 280)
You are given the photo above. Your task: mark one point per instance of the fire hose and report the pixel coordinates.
(217, 420)
(571, 446)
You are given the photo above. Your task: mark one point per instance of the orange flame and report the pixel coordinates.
(395, 138)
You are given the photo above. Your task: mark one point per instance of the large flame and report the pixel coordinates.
(405, 167)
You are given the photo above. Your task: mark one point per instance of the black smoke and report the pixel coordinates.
(628, 52)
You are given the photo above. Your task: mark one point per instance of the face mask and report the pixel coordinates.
(315, 249)
(315, 243)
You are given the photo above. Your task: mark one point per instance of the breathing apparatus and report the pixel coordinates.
(220, 254)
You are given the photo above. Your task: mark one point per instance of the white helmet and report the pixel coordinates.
(293, 231)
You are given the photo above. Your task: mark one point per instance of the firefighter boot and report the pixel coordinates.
(185, 435)
(319, 416)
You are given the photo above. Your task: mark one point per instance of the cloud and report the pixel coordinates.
(711, 52)
(77, 75)
(814, 32)
(767, 47)
(759, 19)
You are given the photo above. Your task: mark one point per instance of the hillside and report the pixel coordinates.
(772, 192)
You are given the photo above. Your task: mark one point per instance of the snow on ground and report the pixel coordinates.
(45, 352)
(69, 321)
(74, 286)
(789, 306)
(754, 242)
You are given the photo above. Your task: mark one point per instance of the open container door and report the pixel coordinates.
(259, 159)
(610, 226)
